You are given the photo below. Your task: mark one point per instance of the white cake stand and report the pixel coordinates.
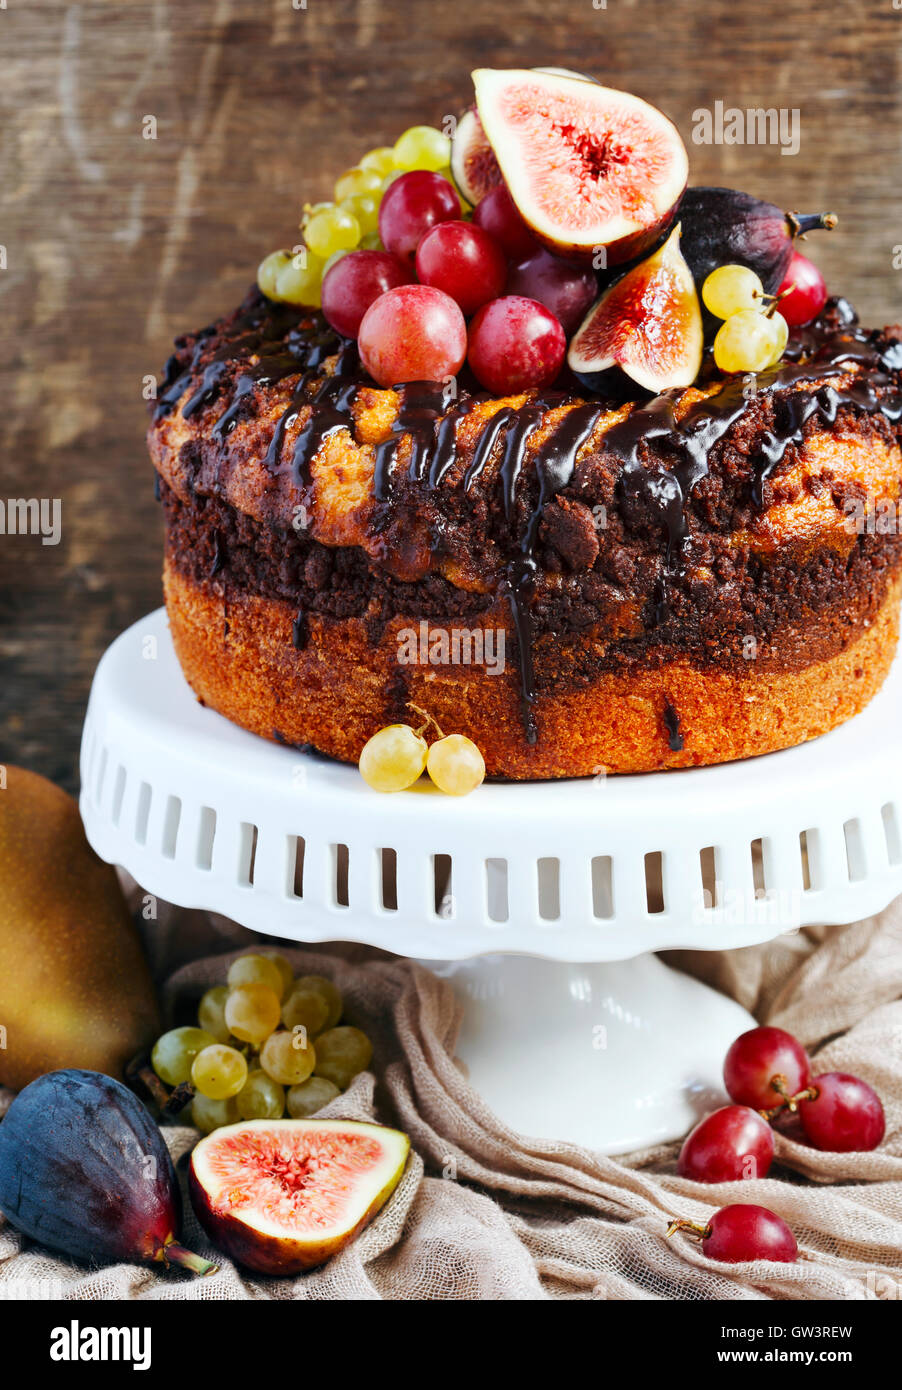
(522, 891)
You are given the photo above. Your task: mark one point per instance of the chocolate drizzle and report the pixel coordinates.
(689, 440)
(272, 342)
(672, 725)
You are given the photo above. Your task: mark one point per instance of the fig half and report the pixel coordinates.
(473, 163)
(648, 322)
(590, 169)
(282, 1196)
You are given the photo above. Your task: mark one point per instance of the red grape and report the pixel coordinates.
(758, 1056)
(729, 1144)
(809, 291)
(515, 344)
(464, 261)
(412, 333)
(497, 214)
(354, 282)
(567, 288)
(845, 1116)
(410, 206)
(747, 1232)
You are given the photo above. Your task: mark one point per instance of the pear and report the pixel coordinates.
(75, 990)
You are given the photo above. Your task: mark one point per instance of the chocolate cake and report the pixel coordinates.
(575, 582)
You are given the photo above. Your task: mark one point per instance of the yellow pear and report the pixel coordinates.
(75, 990)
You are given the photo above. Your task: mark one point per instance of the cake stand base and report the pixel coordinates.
(531, 880)
(613, 1057)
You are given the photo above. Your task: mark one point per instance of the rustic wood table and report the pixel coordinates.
(112, 242)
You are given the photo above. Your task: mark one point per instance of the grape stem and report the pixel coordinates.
(139, 1070)
(781, 1086)
(695, 1228)
(429, 720)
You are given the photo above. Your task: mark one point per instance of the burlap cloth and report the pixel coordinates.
(483, 1213)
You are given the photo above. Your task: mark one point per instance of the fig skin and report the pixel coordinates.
(724, 226)
(279, 1256)
(85, 1170)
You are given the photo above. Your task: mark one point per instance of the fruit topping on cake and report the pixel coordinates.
(516, 382)
(648, 323)
(590, 169)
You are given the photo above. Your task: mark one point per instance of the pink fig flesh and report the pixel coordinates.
(283, 1196)
(473, 161)
(591, 170)
(649, 323)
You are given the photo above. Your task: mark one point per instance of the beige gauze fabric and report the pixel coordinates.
(483, 1213)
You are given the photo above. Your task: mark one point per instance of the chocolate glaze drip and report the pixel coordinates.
(555, 463)
(275, 341)
(689, 441)
(300, 631)
(672, 725)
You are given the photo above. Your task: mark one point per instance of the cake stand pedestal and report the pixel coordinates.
(541, 901)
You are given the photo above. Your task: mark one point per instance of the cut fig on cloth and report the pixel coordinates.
(590, 169)
(473, 161)
(282, 1196)
(648, 322)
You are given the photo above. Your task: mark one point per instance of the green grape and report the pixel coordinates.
(354, 182)
(252, 1012)
(341, 1053)
(208, 1114)
(393, 759)
(390, 178)
(311, 209)
(331, 230)
(211, 1012)
(300, 281)
(284, 967)
(455, 765)
(260, 1098)
(174, 1052)
(268, 271)
(310, 1096)
(731, 288)
(306, 1008)
(422, 147)
(382, 159)
(781, 332)
(365, 207)
(748, 341)
(219, 1072)
(256, 970)
(330, 992)
(288, 1057)
(373, 242)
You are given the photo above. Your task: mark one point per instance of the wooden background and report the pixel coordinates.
(114, 243)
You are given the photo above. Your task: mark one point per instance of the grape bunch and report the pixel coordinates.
(401, 262)
(768, 1076)
(265, 1043)
(753, 335)
(397, 755)
(351, 220)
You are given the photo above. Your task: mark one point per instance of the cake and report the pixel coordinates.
(582, 576)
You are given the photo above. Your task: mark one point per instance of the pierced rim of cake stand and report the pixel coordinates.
(207, 815)
(612, 1055)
